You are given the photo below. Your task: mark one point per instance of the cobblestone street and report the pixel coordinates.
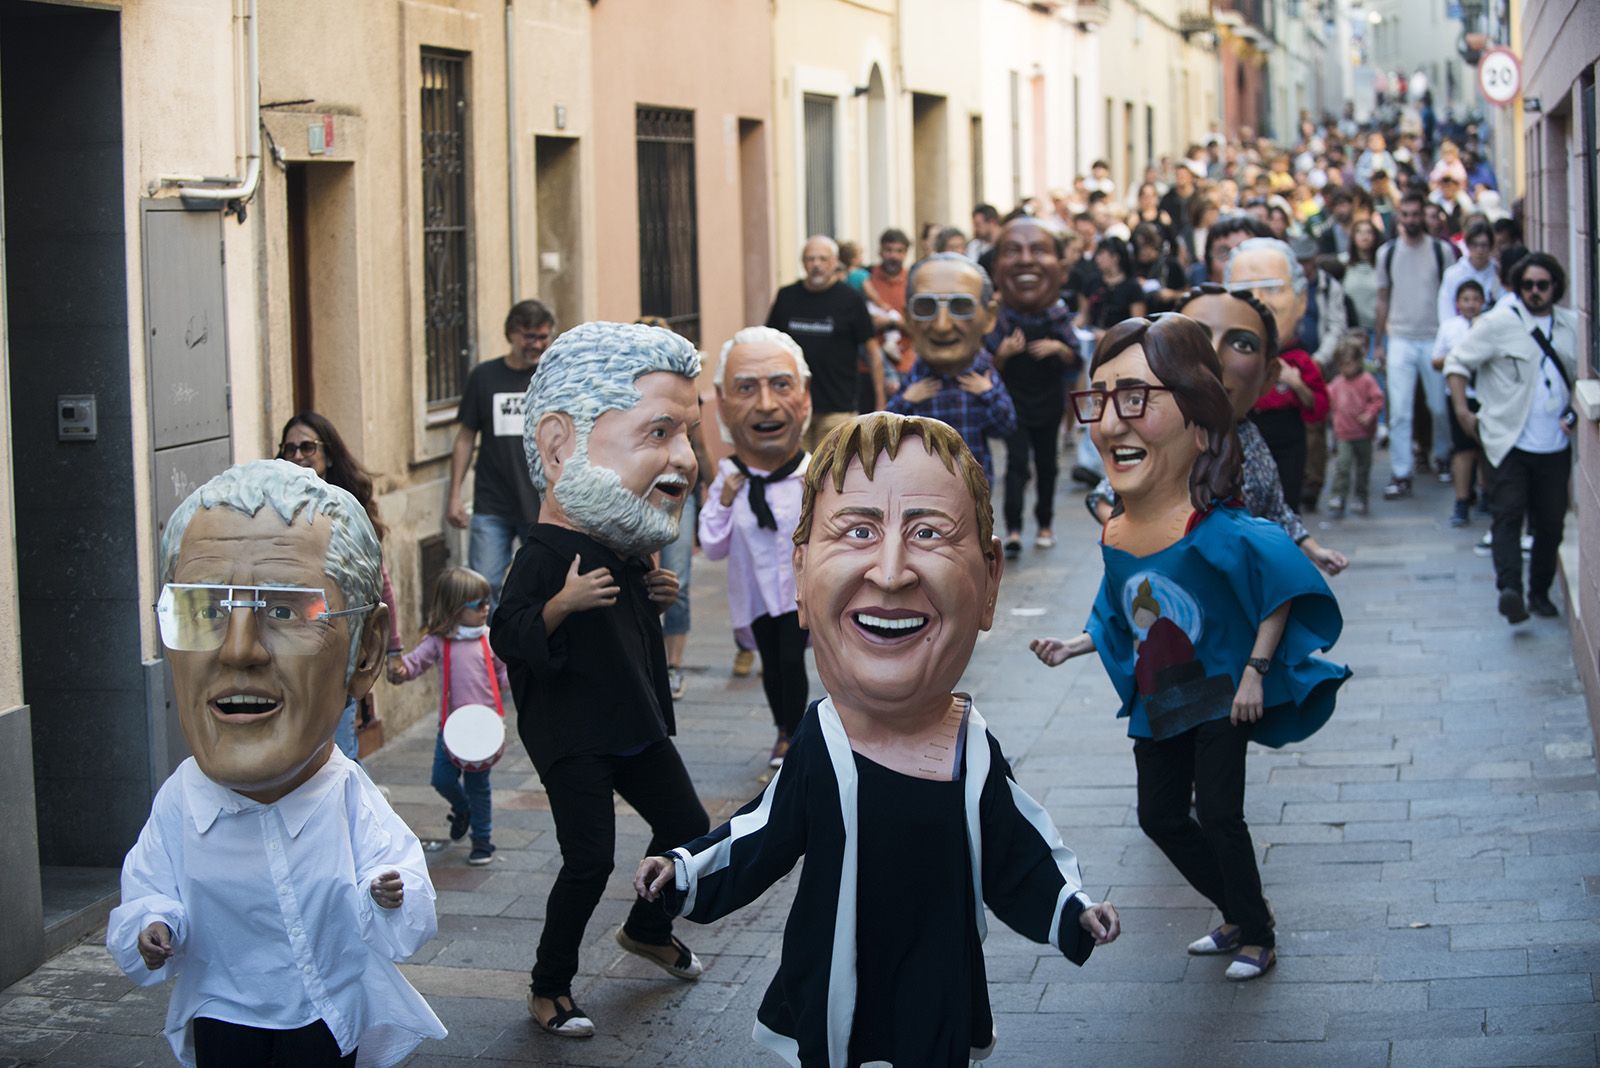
(1433, 857)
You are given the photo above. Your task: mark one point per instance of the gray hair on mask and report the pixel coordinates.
(590, 370)
(354, 558)
(951, 257)
(762, 335)
(1297, 274)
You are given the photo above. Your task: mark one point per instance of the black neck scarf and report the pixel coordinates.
(758, 490)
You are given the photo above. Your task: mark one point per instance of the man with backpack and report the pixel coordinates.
(1411, 268)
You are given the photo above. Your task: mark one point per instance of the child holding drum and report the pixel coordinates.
(471, 711)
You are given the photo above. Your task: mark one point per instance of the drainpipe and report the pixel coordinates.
(190, 187)
(511, 147)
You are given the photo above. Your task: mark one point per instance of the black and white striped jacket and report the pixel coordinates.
(1019, 868)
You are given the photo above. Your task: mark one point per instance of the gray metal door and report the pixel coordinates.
(186, 334)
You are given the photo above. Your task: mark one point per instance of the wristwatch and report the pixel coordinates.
(1260, 663)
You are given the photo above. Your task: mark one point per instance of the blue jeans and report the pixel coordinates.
(1409, 359)
(344, 735)
(474, 799)
(490, 546)
(676, 558)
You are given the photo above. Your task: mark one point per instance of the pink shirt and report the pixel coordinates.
(760, 561)
(1356, 403)
(469, 682)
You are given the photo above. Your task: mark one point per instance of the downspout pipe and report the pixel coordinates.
(236, 188)
(511, 148)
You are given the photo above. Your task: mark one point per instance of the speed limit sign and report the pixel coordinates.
(1500, 76)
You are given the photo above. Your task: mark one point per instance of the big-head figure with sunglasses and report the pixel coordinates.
(949, 307)
(273, 881)
(259, 693)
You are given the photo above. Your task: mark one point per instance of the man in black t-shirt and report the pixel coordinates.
(831, 323)
(505, 506)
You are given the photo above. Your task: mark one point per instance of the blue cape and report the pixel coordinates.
(1200, 602)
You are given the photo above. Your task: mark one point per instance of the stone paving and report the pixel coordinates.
(1433, 856)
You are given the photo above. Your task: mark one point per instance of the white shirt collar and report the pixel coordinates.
(206, 800)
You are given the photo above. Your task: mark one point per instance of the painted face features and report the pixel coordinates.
(1265, 265)
(1241, 343)
(1027, 269)
(1154, 453)
(949, 343)
(893, 583)
(301, 446)
(288, 730)
(764, 403)
(627, 485)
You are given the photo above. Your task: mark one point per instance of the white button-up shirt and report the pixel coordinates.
(760, 561)
(272, 918)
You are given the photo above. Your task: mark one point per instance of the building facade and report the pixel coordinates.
(218, 215)
(1560, 48)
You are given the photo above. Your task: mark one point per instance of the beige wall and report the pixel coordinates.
(1178, 80)
(829, 47)
(939, 46)
(721, 69)
(183, 101)
(1046, 50)
(363, 66)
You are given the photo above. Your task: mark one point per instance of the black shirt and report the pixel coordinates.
(597, 684)
(1082, 279)
(1110, 304)
(830, 327)
(1166, 273)
(491, 404)
(919, 1000)
(1037, 387)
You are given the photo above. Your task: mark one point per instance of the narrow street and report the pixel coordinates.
(1432, 856)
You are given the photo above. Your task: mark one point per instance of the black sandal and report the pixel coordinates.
(566, 1023)
(685, 966)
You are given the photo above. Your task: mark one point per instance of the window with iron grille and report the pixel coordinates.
(819, 117)
(446, 226)
(669, 241)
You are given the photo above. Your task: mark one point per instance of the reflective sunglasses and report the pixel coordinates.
(924, 307)
(1131, 402)
(481, 602)
(290, 620)
(290, 449)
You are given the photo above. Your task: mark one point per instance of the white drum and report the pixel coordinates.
(474, 737)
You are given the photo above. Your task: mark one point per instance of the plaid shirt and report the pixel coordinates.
(977, 417)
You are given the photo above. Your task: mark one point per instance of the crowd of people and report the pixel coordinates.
(1243, 317)
(1390, 243)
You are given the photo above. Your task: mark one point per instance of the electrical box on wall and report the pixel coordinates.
(75, 417)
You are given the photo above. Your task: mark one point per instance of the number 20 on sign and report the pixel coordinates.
(1499, 76)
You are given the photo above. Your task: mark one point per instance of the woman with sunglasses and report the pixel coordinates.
(1207, 618)
(310, 440)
